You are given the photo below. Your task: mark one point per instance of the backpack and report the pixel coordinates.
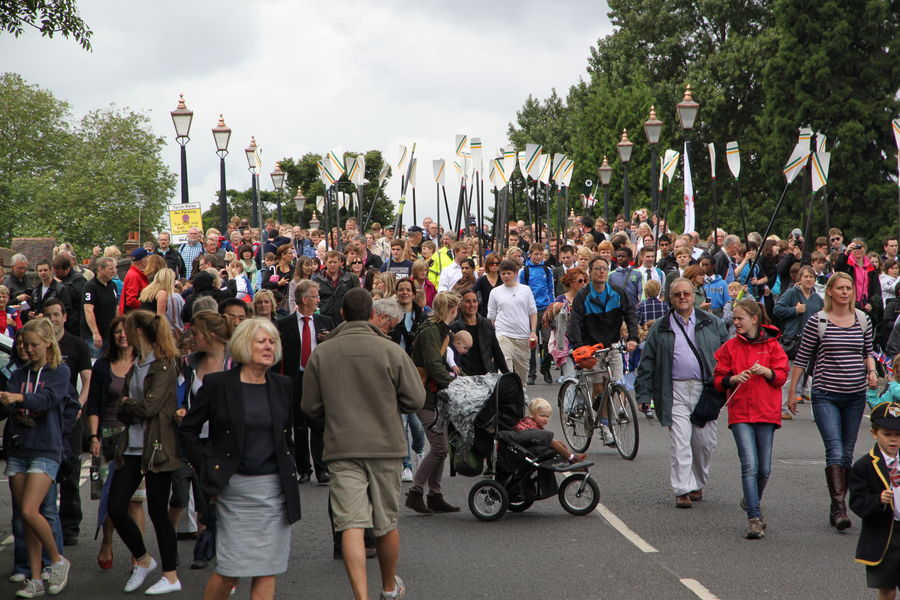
(547, 272)
(861, 317)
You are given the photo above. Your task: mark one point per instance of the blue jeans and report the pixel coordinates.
(412, 428)
(20, 552)
(838, 417)
(754, 445)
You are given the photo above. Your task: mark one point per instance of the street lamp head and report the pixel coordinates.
(181, 117)
(624, 147)
(252, 155)
(605, 172)
(299, 199)
(687, 109)
(221, 134)
(278, 178)
(652, 127)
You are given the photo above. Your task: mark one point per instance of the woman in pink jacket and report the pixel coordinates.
(751, 368)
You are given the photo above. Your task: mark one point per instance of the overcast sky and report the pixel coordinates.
(308, 76)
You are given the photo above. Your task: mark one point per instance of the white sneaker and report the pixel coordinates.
(17, 578)
(406, 475)
(59, 576)
(138, 575)
(608, 438)
(163, 586)
(399, 590)
(34, 588)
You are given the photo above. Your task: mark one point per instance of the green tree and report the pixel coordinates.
(835, 69)
(89, 182)
(759, 69)
(47, 16)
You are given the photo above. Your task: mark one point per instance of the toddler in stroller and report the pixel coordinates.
(539, 413)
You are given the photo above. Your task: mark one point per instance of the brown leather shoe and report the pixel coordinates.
(683, 501)
(696, 495)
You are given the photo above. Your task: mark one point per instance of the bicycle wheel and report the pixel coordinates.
(579, 494)
(576, 415)
(488, 500)
(623, 421)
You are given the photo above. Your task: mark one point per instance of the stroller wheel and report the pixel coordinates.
(488, 500)
(520, 506)
(579, 494)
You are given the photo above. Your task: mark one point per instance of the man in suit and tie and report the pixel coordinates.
(648, 270)
(300, 332)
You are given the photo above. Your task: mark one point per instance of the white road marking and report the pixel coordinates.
(699, 589)
(620, 526)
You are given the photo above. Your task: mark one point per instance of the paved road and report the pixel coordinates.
(547, 553)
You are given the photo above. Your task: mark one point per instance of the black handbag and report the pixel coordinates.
(711, 400)
(791, 345)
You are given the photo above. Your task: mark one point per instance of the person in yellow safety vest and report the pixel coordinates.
(441, 258)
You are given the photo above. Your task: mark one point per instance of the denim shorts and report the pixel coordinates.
(36, 464)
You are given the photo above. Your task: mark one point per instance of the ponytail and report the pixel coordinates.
(156, 330)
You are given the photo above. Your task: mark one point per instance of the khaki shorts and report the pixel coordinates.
(616, 368)
(365, 492)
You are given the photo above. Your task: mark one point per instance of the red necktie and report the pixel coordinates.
(305, 342)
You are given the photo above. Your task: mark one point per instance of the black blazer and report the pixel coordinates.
(216, 459)
(290, 345)
(868, 478)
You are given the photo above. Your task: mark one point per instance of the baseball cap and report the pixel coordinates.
(414, 229)
(471, 220)
(887, 415)
(388, 226)
(139, 254)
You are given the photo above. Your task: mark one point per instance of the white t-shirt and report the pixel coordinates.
(449, 276)
(510, 309)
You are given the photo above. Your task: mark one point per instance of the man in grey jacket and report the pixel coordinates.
(671, 375)
(361, 382)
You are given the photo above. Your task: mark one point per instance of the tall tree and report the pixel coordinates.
(87, 183)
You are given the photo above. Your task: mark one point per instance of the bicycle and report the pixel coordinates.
(581, 412)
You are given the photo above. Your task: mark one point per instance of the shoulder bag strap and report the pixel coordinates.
(703, 368)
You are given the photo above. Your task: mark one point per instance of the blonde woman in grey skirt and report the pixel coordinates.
(246, 466)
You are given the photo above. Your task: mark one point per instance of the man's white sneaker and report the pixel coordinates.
(608, 438)
(163, 586)
(138, 575)
(17, 578)
(406, 475)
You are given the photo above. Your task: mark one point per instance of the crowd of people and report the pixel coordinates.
(203, 385)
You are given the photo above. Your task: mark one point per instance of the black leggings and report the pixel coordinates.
(125, 481)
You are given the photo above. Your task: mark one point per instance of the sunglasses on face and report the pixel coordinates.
(835, 239)
(356, 262)
(581, 281)
(681, 294)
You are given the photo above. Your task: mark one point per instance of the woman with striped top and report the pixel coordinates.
(841, 365)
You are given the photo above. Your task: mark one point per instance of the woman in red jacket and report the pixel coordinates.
(751, 368)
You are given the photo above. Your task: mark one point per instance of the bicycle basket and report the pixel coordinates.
(584, 356)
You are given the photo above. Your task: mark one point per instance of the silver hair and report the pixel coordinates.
(388, 307)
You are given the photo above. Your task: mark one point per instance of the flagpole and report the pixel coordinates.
(327, 215)
(825, 203)
(743, 216)
(767, 232)
(415, 217)
(514, 210)
(446, 206)
(527, 202)
(371, 208)
(549, 220)
(437, 193)
(715, 214)
(478, 210)
(537, 212)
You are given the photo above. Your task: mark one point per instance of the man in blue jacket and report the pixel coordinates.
(538, 276)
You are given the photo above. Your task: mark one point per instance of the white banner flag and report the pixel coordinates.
(688, 195)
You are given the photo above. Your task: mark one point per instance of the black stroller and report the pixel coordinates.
(521, 467)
